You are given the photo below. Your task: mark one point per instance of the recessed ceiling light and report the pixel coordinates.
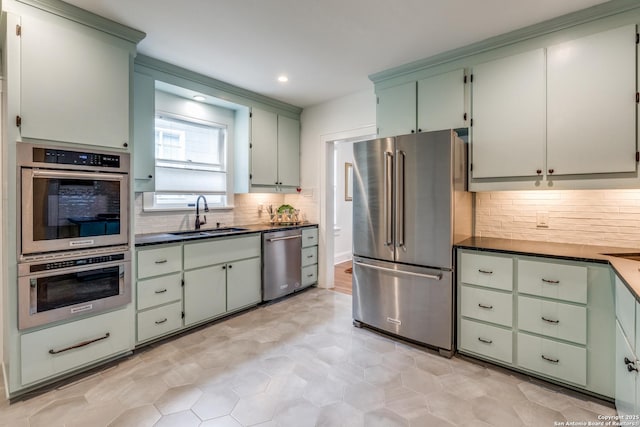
(283, 79)
(199, 98)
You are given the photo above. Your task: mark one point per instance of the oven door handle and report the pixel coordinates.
(77, 175)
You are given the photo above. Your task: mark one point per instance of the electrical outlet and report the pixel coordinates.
(542, 219)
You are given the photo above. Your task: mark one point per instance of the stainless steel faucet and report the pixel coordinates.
(206, 209)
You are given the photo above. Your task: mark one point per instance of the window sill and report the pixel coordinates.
(181, 209)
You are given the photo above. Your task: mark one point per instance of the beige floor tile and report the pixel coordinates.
(255, 409)
(178, 399)
(494, 412)
(95, 414)
(144, 391)
(179, 419)
(533, 414)
(429, 420)
(420, 381)
(141, 416)
(215, 403)
(297, 413)
(364, 396)
(58, 412)
(227, 421)
(183, 374)
(251, 382)
(325, 391)
(384, 418)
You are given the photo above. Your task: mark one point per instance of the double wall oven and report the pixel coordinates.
(74, 237)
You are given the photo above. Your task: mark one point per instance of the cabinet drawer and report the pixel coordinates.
(219, 250)
(490, 306)
(159, 290)
(309, 255)
(563, 361)
(309, 237)
(625, 310)
(553, 319)
(486, 340)
(487, 270)
(159, 261)
(104, 335)
(309, 275)
(559, 281)
(159, 321)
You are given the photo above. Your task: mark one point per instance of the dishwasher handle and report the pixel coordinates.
(277, 239)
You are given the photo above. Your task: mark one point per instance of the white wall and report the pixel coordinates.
(347, 117)
(342, 241)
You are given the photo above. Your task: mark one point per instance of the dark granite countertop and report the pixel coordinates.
(628, 270)
(236, 230)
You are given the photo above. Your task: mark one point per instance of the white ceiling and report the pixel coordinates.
(326, 47)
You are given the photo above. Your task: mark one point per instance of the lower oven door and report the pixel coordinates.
(68, 292)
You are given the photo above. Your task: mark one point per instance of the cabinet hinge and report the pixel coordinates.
(471, 167)
(471, 122)
(250, 114)
(377, 131)
(377, 100)
(18, 30)
(182, 282)
(250, 145)
(465, 79)
(250, 176)
(182, 315)
(464, 117)
(18, 121)
(637, 97)
(637, 38)
(637, 156)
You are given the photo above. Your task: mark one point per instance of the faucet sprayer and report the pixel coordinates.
(206, 209)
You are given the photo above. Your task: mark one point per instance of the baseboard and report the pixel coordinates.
(342, 257)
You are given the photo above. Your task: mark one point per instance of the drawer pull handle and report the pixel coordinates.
(161, 261)
(82, 344)
(551, 282)
(485, 271)
(309, 256)
(484, 340)
(161, 291)
(488, 307)
(160, 322)
(310, 275)
(548, 359)
(555, 322)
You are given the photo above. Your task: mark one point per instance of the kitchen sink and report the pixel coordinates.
(631, 256)
(204, 233)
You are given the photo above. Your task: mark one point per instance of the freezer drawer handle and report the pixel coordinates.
(485, 271)
(548, 359)
(394, 321)
(555, 322)
(484, 340)
(277, 239)
(488, 307)
(79, 345)
(408, 273)
(162, 261)
(551, 282)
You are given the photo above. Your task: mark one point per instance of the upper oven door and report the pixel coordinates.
(65, 210)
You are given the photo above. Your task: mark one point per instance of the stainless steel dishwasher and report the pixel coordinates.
(282, 271)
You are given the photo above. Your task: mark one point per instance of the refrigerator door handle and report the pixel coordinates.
(407, 273)
(401, 198)
(388, 202)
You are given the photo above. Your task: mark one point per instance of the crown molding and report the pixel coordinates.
(92, 20)
(569, 20)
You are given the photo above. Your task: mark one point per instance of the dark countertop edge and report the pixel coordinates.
(166, 238)
(626, 270)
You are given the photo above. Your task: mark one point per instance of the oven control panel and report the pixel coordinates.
(78, 262)
(66, 157)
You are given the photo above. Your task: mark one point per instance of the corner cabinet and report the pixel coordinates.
(627, 363)
(275, 152)
(79, 93)
(547, 317)
(433, 103)
(186, 284)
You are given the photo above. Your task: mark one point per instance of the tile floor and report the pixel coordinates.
(298, 362)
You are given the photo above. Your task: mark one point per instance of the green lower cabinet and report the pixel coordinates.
(555, 324)
(626, 380)
(243, 283)
(159, 321)
(205, 292)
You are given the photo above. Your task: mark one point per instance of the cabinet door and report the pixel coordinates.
(508, 102)
(591, 108)
(625, 380)
(75, 83)
(396, 110)
(204, 293)
(264, 147)
(288, 151)
(144, 152)
(441, 102)
(244, 284)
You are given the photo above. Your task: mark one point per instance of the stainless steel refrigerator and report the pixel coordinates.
(410, 205)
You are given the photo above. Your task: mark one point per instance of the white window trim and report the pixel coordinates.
(148, 206)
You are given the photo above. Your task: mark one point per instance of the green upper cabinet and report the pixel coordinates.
(74, 82)
(396, 110)
(591, 104)
(143, 132)
(508, 109)
(433, 103)
(275, 152)
(441, 102)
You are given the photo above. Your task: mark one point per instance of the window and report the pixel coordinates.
(190, 159)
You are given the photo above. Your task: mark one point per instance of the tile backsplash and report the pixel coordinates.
(596, 217)
(245, 211)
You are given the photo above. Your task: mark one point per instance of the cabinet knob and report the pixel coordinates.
(230, 266)
(125, 144)
(539, 171)
(150, 176)
(224, 267)
(419, 130)
(413, 131)
(551, 171)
